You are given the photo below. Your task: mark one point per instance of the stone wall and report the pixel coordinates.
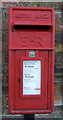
(58, 87)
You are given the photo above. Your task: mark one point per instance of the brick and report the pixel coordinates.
(4, 41)
(0, 69)
(62, 15)
(5, 80)
(58, 21)
(5, 58)
(17, 4)
(58, 37)
(58, 57)
(0, 24)
(4, 36)
(44, 4)
(5, 68)
(5, 13)
(62, 90)
(59, 70)
(57, 89)
(0, 58)
(6, 4)
(5, 47)
(58, 65)
(1, 73)
(4, 25)
(0, 13)
(25, 4)
(0, 35)
(57, 95)
(55, 5)
(58, 77)
(0, 47)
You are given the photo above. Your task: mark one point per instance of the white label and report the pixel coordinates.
(31, 77)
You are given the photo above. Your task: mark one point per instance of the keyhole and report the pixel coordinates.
(18, 80)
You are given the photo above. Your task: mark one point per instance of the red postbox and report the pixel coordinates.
(31, 60)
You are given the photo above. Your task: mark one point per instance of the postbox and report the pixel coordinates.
(31, 60)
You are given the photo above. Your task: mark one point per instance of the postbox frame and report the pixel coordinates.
(11, 66)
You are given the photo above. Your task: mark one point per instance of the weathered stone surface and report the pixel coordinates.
(0, 35)
(0, 13)
(59, 47)
(58, 37)
(5, 41)
(1, 47)
(5, 13)
(58, 21)
(6, 4)
(4, 25)
(0, 24)
(58, 94)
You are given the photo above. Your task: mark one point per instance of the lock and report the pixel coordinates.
(32, 54)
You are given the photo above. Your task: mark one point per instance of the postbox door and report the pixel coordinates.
(30, 93)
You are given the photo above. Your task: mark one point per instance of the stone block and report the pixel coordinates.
(4, 25)
(57, 94)
(6, 4)
(58, 57)
(1, 47)
(0, 24)
(0, 35)
(4, 41)
(58, 22)
(0, 13)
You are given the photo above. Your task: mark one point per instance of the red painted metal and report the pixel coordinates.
(31, 29)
